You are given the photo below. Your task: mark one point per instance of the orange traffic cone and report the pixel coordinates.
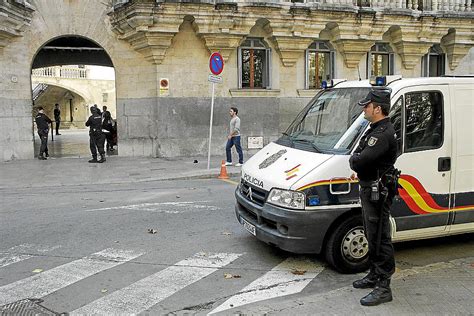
(223, 174)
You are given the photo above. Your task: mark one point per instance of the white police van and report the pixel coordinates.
(296, 193)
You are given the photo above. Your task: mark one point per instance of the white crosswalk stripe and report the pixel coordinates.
(11, 258)
(14, 255)
(54, 279)
(149, 291)
(289, 277)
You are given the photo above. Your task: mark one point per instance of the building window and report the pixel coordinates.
(319, 64)
(433, 63)
(380, 60)
(254, 64)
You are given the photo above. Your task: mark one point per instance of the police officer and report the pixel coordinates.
(42, 124)
(373, 162)
(57, 117)
(96, 137)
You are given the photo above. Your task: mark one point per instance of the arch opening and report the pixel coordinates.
(71, 73)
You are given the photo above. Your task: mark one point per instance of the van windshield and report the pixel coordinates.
(331, 123)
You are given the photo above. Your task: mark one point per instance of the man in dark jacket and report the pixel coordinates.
(57, 117)
(96, 137)
(42, 124)
(373, 161)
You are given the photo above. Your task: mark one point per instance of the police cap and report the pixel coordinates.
(378, 95)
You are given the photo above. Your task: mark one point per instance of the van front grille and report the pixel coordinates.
(253, 194)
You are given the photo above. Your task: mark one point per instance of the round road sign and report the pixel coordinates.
(216, 63)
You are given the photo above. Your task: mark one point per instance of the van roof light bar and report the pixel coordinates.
(331, 83)
(382, 81)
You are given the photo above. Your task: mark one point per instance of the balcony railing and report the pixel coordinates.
(61, 72)
(417, 5)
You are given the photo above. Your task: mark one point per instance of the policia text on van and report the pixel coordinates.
(297, 194)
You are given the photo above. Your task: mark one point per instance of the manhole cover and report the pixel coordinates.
(26, 307)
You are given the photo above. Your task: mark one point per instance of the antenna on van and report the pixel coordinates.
(358, 72)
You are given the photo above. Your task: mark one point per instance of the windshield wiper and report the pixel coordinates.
(290, 138)
(308, 142)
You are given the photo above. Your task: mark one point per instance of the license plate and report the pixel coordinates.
(249, 227)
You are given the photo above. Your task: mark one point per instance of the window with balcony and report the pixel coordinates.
(380, 60)
(254, 57)
(319, 64)
(433, 63)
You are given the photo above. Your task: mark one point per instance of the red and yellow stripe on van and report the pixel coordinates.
(419, 201)
(327, 182)
(412, 192)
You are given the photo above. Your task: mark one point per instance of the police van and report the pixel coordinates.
(297, 193)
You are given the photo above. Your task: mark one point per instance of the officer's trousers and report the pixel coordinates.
(96, 143)
(383, 263)
(43, 135)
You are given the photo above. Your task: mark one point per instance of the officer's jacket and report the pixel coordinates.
(95, 123)
(42, 121)
(57, 114)
(377, 151)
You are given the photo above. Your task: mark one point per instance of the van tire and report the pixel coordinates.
(347, 247)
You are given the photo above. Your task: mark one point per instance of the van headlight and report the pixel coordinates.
(287, 198)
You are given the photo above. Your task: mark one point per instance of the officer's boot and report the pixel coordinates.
(41, 157)
(369, 281)
(93, 160)
(102, 159)
(381, 294)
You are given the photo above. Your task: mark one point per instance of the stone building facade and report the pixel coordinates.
(276, 54)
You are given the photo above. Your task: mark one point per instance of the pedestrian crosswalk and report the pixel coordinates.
(288, 277)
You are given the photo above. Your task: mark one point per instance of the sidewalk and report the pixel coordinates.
(77, 171)
(444, 288)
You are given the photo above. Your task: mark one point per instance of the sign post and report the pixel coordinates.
(216, 65)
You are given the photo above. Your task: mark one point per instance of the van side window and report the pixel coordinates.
(396, 118)
(424, 120)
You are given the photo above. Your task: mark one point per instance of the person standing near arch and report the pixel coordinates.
(96, 137)
(57, 117)
(42, 124)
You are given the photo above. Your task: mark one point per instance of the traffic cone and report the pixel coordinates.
(223, 174)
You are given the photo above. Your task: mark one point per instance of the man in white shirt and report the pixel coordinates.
(234, 138)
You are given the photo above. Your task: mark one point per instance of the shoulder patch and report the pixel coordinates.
(372, 141)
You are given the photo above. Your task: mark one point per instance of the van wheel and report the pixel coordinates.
(347, 248)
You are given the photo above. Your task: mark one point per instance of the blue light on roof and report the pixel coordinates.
(380, 81)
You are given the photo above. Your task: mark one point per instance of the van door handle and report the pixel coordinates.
(444, 164)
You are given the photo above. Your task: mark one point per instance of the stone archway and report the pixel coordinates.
(75, 73)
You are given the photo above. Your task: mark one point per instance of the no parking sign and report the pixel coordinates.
(216, 64)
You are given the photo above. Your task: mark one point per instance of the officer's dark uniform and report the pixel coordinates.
(57, 118)
(42, 124)
(373, 160)
(96, 137)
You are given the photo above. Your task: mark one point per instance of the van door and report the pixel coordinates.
(422, 115)
(463, 157)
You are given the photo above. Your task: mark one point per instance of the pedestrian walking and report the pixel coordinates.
(42, 124)
(96, 137)
(233, 139)
(373, 161)
(57, 117)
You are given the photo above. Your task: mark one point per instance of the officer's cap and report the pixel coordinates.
(377, 95)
